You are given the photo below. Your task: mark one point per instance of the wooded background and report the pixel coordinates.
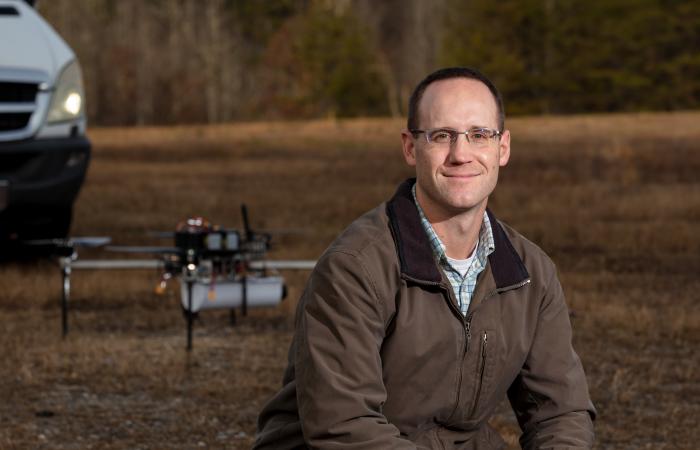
(196, 61)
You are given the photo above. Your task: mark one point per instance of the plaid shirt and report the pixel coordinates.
(463, 286)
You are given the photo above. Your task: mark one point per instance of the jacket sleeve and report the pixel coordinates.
(550, 395)
(340, 328)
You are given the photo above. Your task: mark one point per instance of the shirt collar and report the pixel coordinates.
(484, 247)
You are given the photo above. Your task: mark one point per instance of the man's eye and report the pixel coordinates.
(441, 136)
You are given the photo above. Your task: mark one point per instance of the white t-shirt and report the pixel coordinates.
(462, 265)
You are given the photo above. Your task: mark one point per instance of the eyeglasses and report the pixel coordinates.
(478, 137)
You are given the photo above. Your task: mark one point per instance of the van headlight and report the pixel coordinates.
(68, 99)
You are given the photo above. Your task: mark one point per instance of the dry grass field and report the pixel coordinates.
(614, 199)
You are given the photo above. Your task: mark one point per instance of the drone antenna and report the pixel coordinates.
(246, 224)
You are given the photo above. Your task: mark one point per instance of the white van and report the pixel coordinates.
(44, 153)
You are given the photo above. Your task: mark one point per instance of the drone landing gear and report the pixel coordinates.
(190, 315)
(244, 297)
(65, 281)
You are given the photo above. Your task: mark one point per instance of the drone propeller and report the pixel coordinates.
(64, 247)
(86, 241)
(144, 249)
(90, 241)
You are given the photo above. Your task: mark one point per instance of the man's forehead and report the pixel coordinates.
(454, 94)
(465, 88)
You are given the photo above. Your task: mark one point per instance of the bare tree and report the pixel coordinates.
(408, 34)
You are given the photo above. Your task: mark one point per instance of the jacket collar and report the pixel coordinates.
(416, 256)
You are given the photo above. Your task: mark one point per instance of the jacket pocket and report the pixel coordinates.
(481, 374)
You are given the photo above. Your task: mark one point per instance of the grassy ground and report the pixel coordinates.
(615, 200)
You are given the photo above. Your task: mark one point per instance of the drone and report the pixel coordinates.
(218, 268)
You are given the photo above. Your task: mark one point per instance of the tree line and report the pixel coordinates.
(194, 61)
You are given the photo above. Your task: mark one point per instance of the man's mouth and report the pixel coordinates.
(461, 175)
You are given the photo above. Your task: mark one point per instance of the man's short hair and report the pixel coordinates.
(446, 74)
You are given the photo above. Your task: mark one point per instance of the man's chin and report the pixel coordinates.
(462, 199)
(452, 202)
(462, 205)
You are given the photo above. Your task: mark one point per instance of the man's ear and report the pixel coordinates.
(409, 147)
(504, 148)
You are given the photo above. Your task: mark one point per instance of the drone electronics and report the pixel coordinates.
(218, 268)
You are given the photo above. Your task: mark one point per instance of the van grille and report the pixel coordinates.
(8, 11)
(13, 92)
(14, 121)
(17, 92)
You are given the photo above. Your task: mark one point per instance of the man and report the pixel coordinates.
(427, 311)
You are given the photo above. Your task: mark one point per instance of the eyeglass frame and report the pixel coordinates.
(454, 134)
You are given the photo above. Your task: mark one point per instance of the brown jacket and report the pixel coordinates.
(382, 357)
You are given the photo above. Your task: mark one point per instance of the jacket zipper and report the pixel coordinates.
(466, 327)
(481, 370)
(467, 340)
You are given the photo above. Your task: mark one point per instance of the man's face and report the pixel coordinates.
(455, 178)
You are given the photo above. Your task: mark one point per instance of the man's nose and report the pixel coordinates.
(461, 151)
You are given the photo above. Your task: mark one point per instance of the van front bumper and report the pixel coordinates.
(42, 172)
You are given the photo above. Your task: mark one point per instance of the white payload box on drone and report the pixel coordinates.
(229, 294)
